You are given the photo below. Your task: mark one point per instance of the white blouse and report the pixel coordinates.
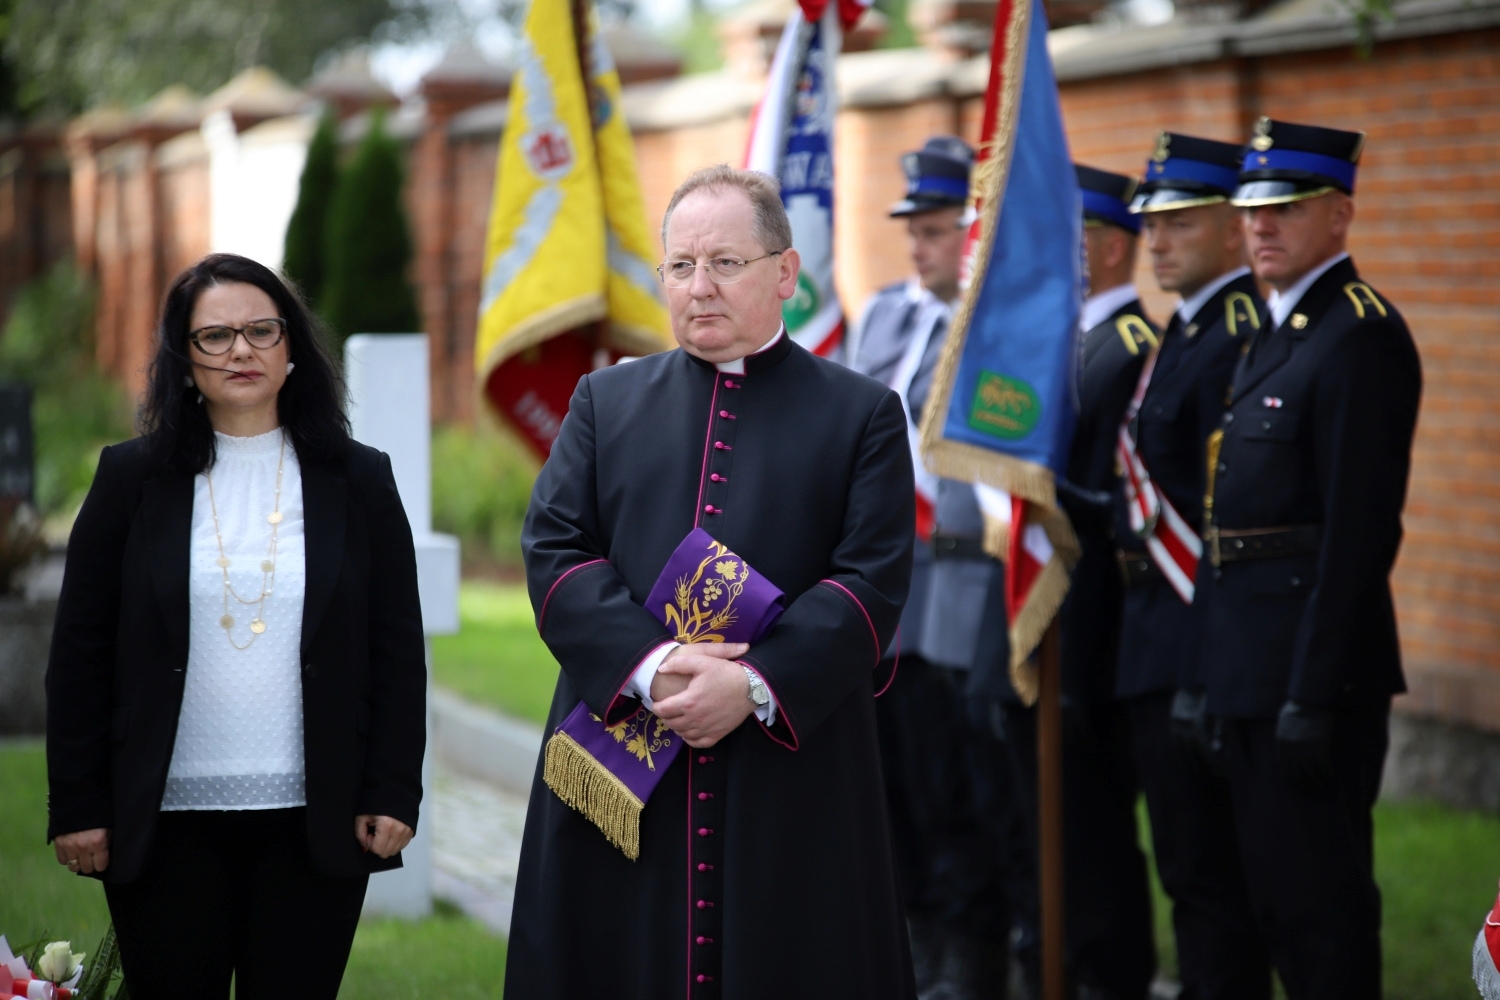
(239, 735)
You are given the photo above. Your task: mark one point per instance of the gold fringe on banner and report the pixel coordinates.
(1043, 603)
(588, 786)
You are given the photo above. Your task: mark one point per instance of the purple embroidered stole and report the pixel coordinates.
(705, 593)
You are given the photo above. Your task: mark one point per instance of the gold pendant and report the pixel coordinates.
(227, 622)
(257, 626)
(274, 517)
(267, 566)
(222, 562)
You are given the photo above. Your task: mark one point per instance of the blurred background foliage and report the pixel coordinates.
(62, 56)
(481, 484)
(48, 344)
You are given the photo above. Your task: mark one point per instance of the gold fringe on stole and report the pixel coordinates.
(1042, 604)
(588, 786)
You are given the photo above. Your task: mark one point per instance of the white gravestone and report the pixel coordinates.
(388, 407)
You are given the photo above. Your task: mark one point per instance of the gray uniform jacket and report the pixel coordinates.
(946, 605)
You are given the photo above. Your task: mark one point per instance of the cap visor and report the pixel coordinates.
(908, 206)
(1169, 199)
(1257, 193)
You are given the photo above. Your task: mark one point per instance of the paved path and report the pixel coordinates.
(476, 843)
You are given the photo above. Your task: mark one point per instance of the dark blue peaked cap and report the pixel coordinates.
(1289, 162)
(1185, 171)
(1106, 197)
(937, 176)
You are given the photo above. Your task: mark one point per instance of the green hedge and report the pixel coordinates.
(481, 484)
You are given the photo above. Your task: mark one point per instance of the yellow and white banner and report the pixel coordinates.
(569, 279)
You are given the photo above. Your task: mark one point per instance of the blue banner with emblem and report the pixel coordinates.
(1004, 394)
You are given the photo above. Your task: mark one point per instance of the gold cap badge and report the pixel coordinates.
(1299, 321)
(1162, 142)
(1262, 140)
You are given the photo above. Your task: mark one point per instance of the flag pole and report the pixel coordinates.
(1050, 809)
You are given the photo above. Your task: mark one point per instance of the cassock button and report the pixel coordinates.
(722, 446)
(727, 415)
(704, 831)
(704, 904)
(705, 796)
(705, 979)
(716, 478)
(705, 867)
(704, 760)
(702, 939)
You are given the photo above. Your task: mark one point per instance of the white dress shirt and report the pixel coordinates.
(1188, 307)
(1281, 304)
(639, 685)
(1098, 308)
(239, 732)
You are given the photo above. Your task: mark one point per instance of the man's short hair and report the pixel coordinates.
(773, 230)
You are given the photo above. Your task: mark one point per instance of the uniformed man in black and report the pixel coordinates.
(1110, 948)
(1197, 249)
(1299, 650)
(950, 797)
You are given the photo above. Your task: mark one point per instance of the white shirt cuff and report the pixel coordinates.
(639, 685)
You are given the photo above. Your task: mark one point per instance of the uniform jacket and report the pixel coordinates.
(1184, 403)
(1111, 359)
(1318, 432)
(884, 333)
(120, 652)
(807, 472)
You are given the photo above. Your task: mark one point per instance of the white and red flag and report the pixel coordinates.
(791, 138)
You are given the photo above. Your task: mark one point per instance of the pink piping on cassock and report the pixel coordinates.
(780, 706)
(708, 439)
(874, 636)
(541, 617)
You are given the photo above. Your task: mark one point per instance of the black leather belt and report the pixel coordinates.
(1262, 543)
(1138, 567)
(953, 547)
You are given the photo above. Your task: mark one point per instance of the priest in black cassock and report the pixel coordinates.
(764, 851)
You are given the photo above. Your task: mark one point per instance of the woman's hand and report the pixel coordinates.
(381, 834)
(84, 852)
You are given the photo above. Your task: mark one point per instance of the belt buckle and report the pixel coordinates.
(1214, 559)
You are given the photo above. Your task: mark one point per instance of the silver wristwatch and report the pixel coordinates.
(758, 691)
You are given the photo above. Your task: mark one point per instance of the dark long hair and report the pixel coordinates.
(310, 404)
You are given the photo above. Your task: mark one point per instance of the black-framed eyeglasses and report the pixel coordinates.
(259, 334)
(721, 270)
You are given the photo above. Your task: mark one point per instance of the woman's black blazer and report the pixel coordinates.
(120, 655)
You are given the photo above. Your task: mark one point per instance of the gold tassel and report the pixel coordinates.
(588, 786)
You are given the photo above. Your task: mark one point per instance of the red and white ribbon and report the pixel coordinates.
(1172, 543)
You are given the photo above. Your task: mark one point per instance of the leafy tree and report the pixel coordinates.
(369, 247)
(70, 54)
(306, 234)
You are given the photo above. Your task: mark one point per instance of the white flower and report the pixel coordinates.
(59, 962)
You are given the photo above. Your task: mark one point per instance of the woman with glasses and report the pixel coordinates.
(231, 743)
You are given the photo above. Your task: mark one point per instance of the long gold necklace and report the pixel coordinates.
(267, 565)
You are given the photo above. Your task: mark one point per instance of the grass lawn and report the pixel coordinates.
(447, 955)
(497, 659)
(1437, 868)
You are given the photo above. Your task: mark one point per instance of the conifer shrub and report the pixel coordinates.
(368, 247)
(304, 260)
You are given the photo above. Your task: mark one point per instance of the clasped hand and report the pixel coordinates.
(701, 693)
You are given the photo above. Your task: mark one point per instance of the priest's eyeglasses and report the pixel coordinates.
(721, 270)
(259, 334)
